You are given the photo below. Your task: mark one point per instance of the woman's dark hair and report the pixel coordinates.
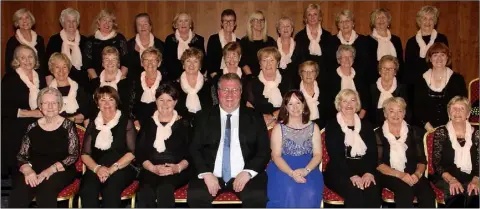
(108, 91)
(283, 114)
(228, 12)
(167, 89)
(139, 16)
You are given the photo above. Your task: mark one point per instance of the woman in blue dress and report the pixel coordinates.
(294, 179)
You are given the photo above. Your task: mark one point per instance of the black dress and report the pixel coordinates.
(13, 43)
(205, 96)
(443, 161)
(372, 67)
(124, 139)
(135, 66)
(37, 150)
(249, 52)
(214, 54)
(15, 95)
(259, 102)
(362, 56)
(124, 91)
(92, 52)
(83, 100)
(55, 45)
(173, 65)
(376, 115)
(141, 111)
(431, 106)
(404, 193)
(162, 188)
(342, 166)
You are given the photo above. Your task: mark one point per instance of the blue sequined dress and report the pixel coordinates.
(297, 151)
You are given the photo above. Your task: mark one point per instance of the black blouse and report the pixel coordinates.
(444, 155)
(291, 71)
(259, 102)
(372, 67)
(249, 52)
(83, 100)
(13, 43)
(37, 146)
(124, 91)
(415, 153)
(173, 65)
(141, 111)
(92, 52)
(135, 65)
(362, 55)
(205, 96)
(430, 106)
(214, 54)
(376, 114)
(302, 42)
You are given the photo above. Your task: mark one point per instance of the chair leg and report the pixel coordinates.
(321, 204)
(133, 201)
(79, 202)
(70, 201)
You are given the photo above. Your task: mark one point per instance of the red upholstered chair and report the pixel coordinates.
(329, 196)
(222, 198)
(473, 88)
(428, 144)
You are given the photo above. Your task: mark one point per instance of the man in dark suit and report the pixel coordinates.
(230, 150)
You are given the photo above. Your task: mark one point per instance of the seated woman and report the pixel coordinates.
(265, 92)
(455, 157)
(107, 152)
(194, 91)
(145, 86)
(387, 86)
(162, 152)
(401, 159)
(294, 179)
(352, 167)
(310, 88)
(46, 169)
(75, 101)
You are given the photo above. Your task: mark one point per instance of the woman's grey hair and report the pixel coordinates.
(53, 91)
(427, 10)
(16, 63)
(69, 11)
(345, 47)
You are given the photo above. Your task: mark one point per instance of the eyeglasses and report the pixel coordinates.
(50, 103)
(255, 20)
(110, 60)
(344, 21)
(308, 72)
(234, 91)
(388, 69)
(150, 60)
(228, 22)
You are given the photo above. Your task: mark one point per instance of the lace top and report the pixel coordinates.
(297, 142)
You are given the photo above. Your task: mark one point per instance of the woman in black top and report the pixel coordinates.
(138, 44)
(255, 40)
(311, 89)
(386, 86)
(47, 156)
(193, 89)
(436, 87)
(288, 65)
(75, 101)
(19, 103)
(107, 152)
(401, 159)
(216, 42)
(105, 34)
(456, 156)
(352, 150)
(382, 42)
(179, 41)
(24, 21)
(161, 151)
(70, 42)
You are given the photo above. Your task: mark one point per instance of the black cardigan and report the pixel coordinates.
(249, 52)
(256, 98)
(13, 43)
(135, 66)
(205, 96)
(92, 52)
(173, 65)
(372, 66)
(376, 115)
(214, 54)
(302, 42)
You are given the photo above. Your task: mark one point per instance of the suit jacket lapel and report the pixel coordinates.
(215, 124)
(243, 127)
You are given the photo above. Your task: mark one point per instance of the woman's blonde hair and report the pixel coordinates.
(285, 18)
(16, 63)
(375, 13)
(347, 13)
(462, 100)
(192, 52)
(256, 15)
(269, 51)
(57, 56)
(104, 13)
(306, 64)
(388, 58)
(177, 16)
(344, 93)
(111, 50)
(427, 10)
(19, 13)
(394, 100)
(309, 7)
(152, 50)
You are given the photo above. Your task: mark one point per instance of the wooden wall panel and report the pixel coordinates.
(458, 20)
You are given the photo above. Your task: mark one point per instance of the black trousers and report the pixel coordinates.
(462, 200)
(46, 193)
(354, 197)
(404, 193)
(253, 195)
(110, 190)
(159, 188)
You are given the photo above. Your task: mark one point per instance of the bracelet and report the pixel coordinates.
(96, 168)
(179, 168)
(117, 166)
(308, 170)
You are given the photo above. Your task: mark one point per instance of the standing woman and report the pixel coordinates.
(255, 40)
(47, 156)
(23, 21)
(107, 152)
(143, 39)
(310, 88)
(216, 42)
(105, 34)
(179, 41)
(70, 42)
(19, 103)
(382, 42)
(286, 46)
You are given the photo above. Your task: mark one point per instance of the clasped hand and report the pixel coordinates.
(33, 180)
(363, 182)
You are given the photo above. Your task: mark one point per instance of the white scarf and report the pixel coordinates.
(113, 83)
(312, 102)
(70, 104)
(99, 35)
(163, 132)
(271, 90)
(385, 45)
(140, 46)
(352, 39)
(398, 148)
(72, 49)
(462, 160)
(427, 76)
(22, 40)
(34, 88)
(105, 137)
(239, 71)
(192, 101)
(352, 137)
(385, 94)
(347, 81)
(286, 58)
(314, 46)
(182, 45)
(148, 95)
(223, 42)
(421, 43)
